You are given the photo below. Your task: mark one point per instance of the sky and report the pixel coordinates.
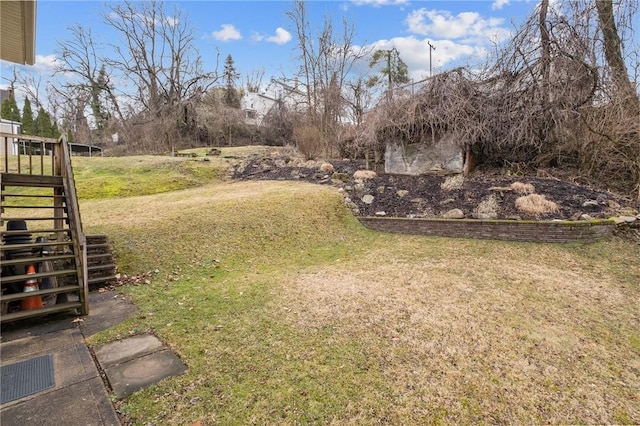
(261, 38)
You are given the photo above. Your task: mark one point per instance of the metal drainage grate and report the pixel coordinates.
(26, 377)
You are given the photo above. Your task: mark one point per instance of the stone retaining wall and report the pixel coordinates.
(512, 230)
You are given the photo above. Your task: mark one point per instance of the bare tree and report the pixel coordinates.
(253, 80)
(613, 52)
(556, 95)
(79, 57)
(326, 59)
(157, 55)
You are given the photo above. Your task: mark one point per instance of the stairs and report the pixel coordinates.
(100, 263)
(41, 232)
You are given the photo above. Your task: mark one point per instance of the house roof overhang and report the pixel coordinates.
(18, 31)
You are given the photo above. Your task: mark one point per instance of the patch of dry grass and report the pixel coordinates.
(535, 204)
(522, 188)
(487, 208)
(362, 175)
(452, 183)
(469, 339)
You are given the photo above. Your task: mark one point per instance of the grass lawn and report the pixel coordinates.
(287, 311)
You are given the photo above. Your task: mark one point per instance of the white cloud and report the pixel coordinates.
(379, 3)
(499, 4)
(415, 53)
(228, 32)
(45, 64)
(281, 36)
(172, 21)
(465, 25)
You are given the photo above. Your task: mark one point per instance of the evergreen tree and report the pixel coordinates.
(43, 124)
(230, 75)
(70, 137)
(395, 71)
(96, 103)
(10, 110)
(27, 118)
(55, 131)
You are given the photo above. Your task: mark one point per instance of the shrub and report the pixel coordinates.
(452, 183)
(488, 208)
(308, 140)
(522, 188)
(535, 204)
(364, 174)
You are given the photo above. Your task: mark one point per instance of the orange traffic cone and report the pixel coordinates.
(34, 302)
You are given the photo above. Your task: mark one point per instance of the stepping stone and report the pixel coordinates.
(142, 372)
(137, 362)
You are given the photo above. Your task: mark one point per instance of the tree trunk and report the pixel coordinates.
(613, 52)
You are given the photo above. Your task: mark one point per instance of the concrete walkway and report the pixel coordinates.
(80, 395)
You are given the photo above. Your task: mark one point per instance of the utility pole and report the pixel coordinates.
(431, 47)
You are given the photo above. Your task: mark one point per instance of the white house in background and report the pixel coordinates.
(257, 105)
(13, 127)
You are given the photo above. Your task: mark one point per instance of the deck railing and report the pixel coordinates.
(37, 156)
(33, 155)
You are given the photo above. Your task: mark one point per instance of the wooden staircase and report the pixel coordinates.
(41, 227)
(100, 263)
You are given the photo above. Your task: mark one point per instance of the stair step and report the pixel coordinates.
(38, 275)
(17, 296)
(96, 246)
(16, 247)
(101, 267)
(104, 279)
(36, 231)
(6, 206)
(98, 256)
(14, 179)
(97, 236)
(37, 259)
(24, 219)
(61, 307)
(6, 194)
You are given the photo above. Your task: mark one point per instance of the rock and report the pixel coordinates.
(454, 214)
(591, 204)
(417, 200)
(367, 198)
(516, 217)
(613, 205)
(629, 219)
(585, 217)
(381, 213)
(402, 193)
(348, 188)
(447, 201)
(618, 220)
(342, 177)
(381, 189)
